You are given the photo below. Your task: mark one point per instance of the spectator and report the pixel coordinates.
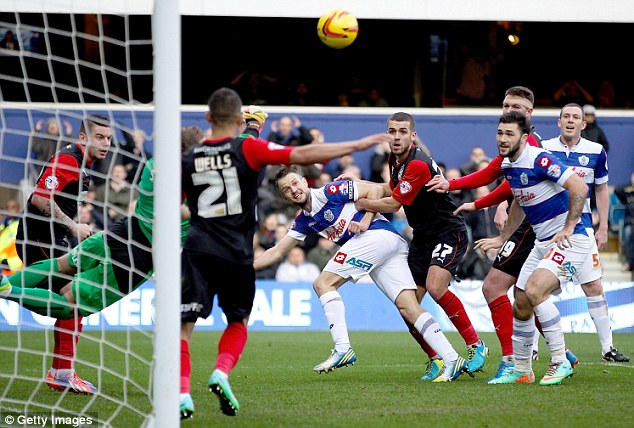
(266, 233)
(377, 162)
(253, 87)
(322, 252)
(475, 78)
(606, 96)
(301, 96)
(116, 194)
(625, 193)
(336, 167)
(45, 144)
(268, 272)
(296, 268)
(572, 92)
(135, 154)
(9, 258)
(374, 99)
(354, 171)
(343, 100)
(593, 131)
(9, 42)
(288, 131)
(477, 154)
(459, 196)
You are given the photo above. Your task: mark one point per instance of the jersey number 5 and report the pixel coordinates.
(228, 182)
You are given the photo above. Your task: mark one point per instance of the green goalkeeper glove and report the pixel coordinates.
(255, 117)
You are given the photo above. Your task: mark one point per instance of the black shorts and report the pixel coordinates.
(515, 250)
(447, 249)
(205, 276)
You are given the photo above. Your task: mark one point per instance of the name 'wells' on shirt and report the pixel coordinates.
(213, 158)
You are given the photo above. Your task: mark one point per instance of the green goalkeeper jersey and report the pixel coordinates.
(144, 210)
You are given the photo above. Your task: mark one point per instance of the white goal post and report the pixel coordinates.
(163, 367)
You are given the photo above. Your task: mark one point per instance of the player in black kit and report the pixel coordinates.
(220, 180)
(439, 238)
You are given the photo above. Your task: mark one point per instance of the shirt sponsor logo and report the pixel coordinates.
(336, 231)
(524, 178)
(405, 187)
(581, 173)
(583, 160)
(51, 182)
(332, 189)
(339, 257)
(554, 171)
(522, 197)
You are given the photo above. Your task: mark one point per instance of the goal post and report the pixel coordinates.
(75, 59)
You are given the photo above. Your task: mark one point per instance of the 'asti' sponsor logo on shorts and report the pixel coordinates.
(342, 258)
(191, 307)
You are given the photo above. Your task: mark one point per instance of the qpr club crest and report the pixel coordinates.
(583, 160)
(524, 178)
(328, 215)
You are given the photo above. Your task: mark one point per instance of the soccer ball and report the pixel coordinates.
(337, 28)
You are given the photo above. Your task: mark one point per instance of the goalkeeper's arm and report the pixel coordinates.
(254, 119)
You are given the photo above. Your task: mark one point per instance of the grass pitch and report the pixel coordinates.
(276, 386)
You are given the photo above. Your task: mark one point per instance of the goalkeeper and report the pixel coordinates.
(110, 264)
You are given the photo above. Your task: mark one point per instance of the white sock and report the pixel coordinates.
(536, 340)
(550, 321)
(433, 335)
(335, 312)
(598, 309)
(523, 332)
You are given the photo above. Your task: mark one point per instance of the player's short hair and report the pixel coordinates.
(403, 117)
(89, 122)
(522, 121)
(521, 92)
(224, 105)
(190, 135)
(285, 170)
(571, 105)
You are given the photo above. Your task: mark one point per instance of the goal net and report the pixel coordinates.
(58, 67)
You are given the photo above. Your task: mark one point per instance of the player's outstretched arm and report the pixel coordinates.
(317, 153)
(275, 253)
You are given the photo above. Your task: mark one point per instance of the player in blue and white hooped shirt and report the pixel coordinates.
(369, 246)
(552, 197)
(589, 161)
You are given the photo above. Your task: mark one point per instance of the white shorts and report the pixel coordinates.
(579, 263)
(379, 253)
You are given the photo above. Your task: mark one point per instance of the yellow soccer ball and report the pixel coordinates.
(337, 28)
